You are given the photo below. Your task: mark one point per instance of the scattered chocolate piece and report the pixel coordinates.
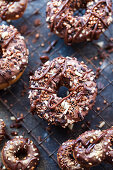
(109, 47)
(103, 54)
(23, 29)
(97, 72)
(39, 138)
(18, 120)
(36, 22)
(52, 44)
(36, 12)
(14, 133)
(100, 86)
(30, 73)
(15, 125)
(44, 58)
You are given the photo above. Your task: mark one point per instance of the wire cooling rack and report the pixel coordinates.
(14, 101)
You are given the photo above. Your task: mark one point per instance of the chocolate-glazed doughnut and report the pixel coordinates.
(20, 154)
(12, 9)
(73, 28)
(13, 55)
(2, 129)
(65, 156)
(44, 86)
(88, 150)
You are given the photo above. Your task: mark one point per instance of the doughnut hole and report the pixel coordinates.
(63, 88)
(71, 156)
(21, 153)
(79, 12)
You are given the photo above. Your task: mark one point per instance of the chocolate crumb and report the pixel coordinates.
(44, 58)
(14, 133)
(100, 86)
(36, 22)
(98, 72)
(36, 12)
(15, 125)
(19, 119)
(23, 29)
(39, 138)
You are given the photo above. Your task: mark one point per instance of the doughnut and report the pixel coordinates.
(12, 9)
(2, 129)
(65, 157)
(46, 82)
(78, 21)
(88, 150)
(13, 55)
(20, 153)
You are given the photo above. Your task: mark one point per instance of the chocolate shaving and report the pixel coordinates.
(49, 48)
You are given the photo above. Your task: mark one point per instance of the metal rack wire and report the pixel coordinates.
(15, 99)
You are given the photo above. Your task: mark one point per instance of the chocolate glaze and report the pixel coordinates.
(11, 150)
(95, 142)
(39, 88)
(45, 72)
(6, 43)
(78, 98)
(65, 24)
(11, 10)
